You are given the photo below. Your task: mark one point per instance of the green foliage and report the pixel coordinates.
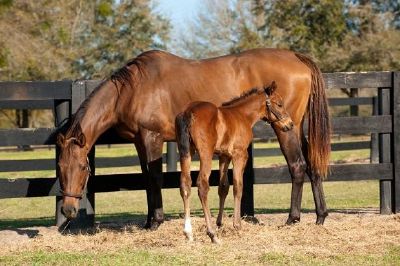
(75, 39)
(307, 26)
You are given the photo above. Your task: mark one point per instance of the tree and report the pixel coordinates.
(340, 35)
(54, 40)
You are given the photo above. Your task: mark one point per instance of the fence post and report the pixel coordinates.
(395, 112)
(171, 157)
(247, 204)
(374, 156)
(62, 114)
(385, 186)
(87, 203)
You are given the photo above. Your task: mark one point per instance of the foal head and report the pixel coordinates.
(74, 171)
(276, 113)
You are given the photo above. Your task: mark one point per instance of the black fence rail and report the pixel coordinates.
(64, 97)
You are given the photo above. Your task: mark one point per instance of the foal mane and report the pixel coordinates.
(242, 96)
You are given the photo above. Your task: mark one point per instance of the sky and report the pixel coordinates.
(178, 11)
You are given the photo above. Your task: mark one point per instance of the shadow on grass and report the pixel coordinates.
(119, 221)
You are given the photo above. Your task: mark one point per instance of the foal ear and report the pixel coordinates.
(60, 140)
(271, 88)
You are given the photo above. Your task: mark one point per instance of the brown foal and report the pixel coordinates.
(227, 132)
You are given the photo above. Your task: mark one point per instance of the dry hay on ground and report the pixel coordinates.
(343, 234)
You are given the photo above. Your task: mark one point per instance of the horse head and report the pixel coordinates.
(276, 113)
(74, 170)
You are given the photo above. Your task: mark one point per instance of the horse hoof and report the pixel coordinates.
(292, 220)
(153, 225)
(237, 227)
(321, 219)
(215, 240)
(189, 238)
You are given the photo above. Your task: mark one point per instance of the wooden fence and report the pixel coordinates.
(64, 97)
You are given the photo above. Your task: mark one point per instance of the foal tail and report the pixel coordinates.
(182, 125)
(319, 127)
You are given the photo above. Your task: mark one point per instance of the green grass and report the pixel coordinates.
(120, 257)
(391, 257)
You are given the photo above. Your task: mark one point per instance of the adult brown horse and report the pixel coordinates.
(142, 98)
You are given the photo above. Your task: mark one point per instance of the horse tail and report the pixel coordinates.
(182, 126)
(319, 127)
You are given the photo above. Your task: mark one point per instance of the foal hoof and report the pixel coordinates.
(292, 220)
(215, 240)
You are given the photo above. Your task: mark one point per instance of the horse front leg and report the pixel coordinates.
(291, 149)
(152, 146)
(317, 188)
(203, 188)
(223, 187)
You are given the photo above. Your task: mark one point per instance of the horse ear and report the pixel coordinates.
(81, 140)
(60, 140)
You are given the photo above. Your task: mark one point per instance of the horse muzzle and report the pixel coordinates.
(287, 127)
(70, 207)
(69, 211)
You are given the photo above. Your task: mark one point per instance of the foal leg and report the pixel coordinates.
(185, 188)
(223, 187)
(317, 188)
(239, 163)
(291, 149)
(203, 188)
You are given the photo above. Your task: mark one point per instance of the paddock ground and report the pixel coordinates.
(359, 237)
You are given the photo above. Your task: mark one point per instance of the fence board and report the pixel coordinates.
(347, 172)
(27, 104)
(35, 90)
(351, 101)
(27, 187)
(27, 136)
(358, 80)
(39, 187)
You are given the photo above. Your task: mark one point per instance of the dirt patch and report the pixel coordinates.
(343, 233)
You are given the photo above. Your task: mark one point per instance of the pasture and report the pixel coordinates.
(354, 231)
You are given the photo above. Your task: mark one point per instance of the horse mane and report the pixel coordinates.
(241, 97)
(126, 77)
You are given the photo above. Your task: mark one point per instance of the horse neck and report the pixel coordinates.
(99, 112)
(250, 108)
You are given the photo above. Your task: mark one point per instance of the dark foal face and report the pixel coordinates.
(276, 113)
(74, 172)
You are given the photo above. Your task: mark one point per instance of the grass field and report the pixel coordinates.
(353, 234)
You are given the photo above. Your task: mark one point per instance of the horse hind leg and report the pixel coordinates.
(223, 188)
(317, 188)
(185, 189)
